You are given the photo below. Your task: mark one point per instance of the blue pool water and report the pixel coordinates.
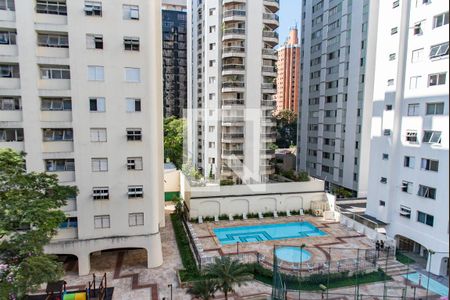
(434, 286)
(292, 254)
(267, 232)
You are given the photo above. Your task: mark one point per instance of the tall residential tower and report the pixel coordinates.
(231, 87)
(81, 94)
(288, 70)
(408, 59)
(333, 139)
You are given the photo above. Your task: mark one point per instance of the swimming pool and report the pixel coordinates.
(266, 232)
(434, 286)
(292, 254)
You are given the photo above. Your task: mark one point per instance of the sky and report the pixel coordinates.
(290, 13)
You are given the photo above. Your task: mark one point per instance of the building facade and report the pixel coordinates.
(332, 142)
(288, 70)
(232, 83)
(174, 57)
(80, 84)
(408, 84)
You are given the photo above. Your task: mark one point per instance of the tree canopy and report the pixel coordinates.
(286, 128)
(29, 218)
(173, 140)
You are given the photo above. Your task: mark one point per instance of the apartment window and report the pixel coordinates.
(334, 9)
(429, 164)
(326, 155)
(55, 72)
(10, 103)
(94, 41)
(211, 128)
(388, 107)
(96, 73)
(133, 105)
(135, 191)
(405, 212)
(54, 40)
(392, 56)
(102, 221)
(53, 7)
(435, 108)
(134, 134)
(413, 109)
(100, 193)
(394, 30)
(212, 79)
(212, 11)
(414, 82)
(98, 135)
(7, 5)
(131, 43)
(385, 156)
(11, 134)
(211, 96)
(407, 186)
(395, 4)
(136, 219)
(130, 12)
(387, 132)
(383, 180)
(211, 145)
(417, 55)
(8, 37)
(59, 165)
(432, 137)
(436, 79)
(411, 136)
(425, 218)
(134, 163)
(355, 177)
(426, 192)
(212, 63)
(132, 74)
(316, 34)
(212, 46)
(56, 134)
(418, 28)
(409, 161)
(382, 203)
(334, 25)
(390, 82)
(9, 71)
(99, 164)
(92, 8)
(440, 20)
(212, 29)
(212, 160)
(439, 50)
(97, 104)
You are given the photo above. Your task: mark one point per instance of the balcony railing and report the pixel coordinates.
(233, 135)
(267, 151)
(232, 152)
(270, 69)
(232, 118)
(270, 34)
(234, 13)
(228, 31)
(270, 86)
(233, 101)
(267, 16)
(233, 67)
(235, 49)
(266, 51)
(233, 84)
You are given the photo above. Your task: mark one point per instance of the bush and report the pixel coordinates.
(268, 214)
(223, 217)
(227, 182)
(252, 215)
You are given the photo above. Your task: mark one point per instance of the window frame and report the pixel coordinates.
(105, 221)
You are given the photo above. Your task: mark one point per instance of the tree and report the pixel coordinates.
(29, 218)
(227, 273)
(203, 289)
(286, 128)
(173, 140)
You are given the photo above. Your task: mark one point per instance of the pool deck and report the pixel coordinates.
(338, 236)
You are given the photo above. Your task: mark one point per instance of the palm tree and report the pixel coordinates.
(203, 289)
(227, 273)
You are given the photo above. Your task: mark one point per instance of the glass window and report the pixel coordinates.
(97, 104)
(53, 7)
(92, 8)
(432, 137)
(135, 191)
(440, 20)
(8, 37)
(10, 103)
(100, 193)
(56, 104)
(426, 192)
(102, 221)
(413, 109)
(409, 161)
(136, 219)
(132, 74)
(96, 73)
(439, 50)
(133, 105)
(425, 218)
(429, 164)
(99, 164)
(130, 12)
(94, 41)
(98, 135)
(435, 108)
(134, 163)
(436, 79)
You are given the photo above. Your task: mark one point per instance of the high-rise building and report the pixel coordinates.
(288, 70)
(407, 80)
(174, 57)
(332, 139)
(81, 94)
(232, 83)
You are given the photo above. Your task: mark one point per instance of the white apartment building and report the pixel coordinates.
(407, 80)
(81, 94)
(231, 84)
(333, 136)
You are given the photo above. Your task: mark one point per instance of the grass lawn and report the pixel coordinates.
(404, 259)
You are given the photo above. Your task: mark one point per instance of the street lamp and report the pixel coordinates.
(170, 285)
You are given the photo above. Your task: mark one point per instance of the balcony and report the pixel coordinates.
(233, 86)
(273, 5)
(269, 71)
(50, 19)
(234, 15)
(226, 152)
(226, 102)
(11, 115)
(269, 54)
(269, 88)
(272, 20)
(17, 146)
(270, 37)
(233, 69)
(233, 1)
(232, 138)
(233, 51)
(9, 83)
(8, 15)
(69, 233)
(232, 119)
(65, 176)
(8, 52)
(52, 52)
(268, 102)
(233, 34)
(54, 84)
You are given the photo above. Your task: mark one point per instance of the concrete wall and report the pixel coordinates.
(172, 181)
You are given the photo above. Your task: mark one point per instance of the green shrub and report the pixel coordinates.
(227, 182)
(268, 214)
(223, 217)
(252, 215)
